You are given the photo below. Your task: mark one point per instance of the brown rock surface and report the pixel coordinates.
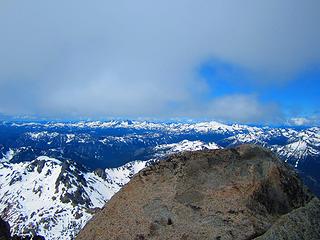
(240, 193)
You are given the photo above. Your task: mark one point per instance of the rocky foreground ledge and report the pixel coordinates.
(241, 193)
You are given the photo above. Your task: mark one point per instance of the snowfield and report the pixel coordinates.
(35, 197)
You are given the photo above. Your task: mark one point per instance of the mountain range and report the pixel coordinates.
(55, 175)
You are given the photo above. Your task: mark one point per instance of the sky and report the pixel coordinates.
(254, 62)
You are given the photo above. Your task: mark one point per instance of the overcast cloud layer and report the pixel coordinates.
(141, 58)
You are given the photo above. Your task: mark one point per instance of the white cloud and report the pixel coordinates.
(304, 121)
(243, 108)
(300, 121)
(139, 58)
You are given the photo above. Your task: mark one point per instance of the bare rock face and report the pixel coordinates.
(4, 230)
(242, 193)
(301, 223)
(5, 233)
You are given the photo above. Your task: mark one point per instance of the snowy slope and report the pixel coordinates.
(121, 175)
(295, 145)
(185, 145)
(302, 145)
(55, 199)
(7, 156)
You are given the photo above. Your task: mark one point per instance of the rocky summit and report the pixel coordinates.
(241, 193)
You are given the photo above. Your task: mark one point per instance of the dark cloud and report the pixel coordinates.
(140, 58)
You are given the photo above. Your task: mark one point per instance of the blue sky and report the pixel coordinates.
(244, 62)
(296, 97)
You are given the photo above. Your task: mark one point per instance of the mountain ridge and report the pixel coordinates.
(208, 194)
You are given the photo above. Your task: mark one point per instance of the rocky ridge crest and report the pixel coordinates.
(241, 193)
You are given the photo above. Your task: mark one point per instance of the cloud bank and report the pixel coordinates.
(141, 58)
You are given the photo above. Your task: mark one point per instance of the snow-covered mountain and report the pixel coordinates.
(114, 143)
(55, 199)
(301, 145)
(185, 145)
(53, 176)
(202, 127)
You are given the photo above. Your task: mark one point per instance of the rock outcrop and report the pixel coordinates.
(4, 230)
(6, 235)
(242, 193)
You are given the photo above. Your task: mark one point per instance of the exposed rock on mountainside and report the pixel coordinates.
(301, 223)
(6, 235)
(241, 193)
(4, 230)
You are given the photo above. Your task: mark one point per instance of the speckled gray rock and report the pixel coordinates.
(300, 224)
(236, 193)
